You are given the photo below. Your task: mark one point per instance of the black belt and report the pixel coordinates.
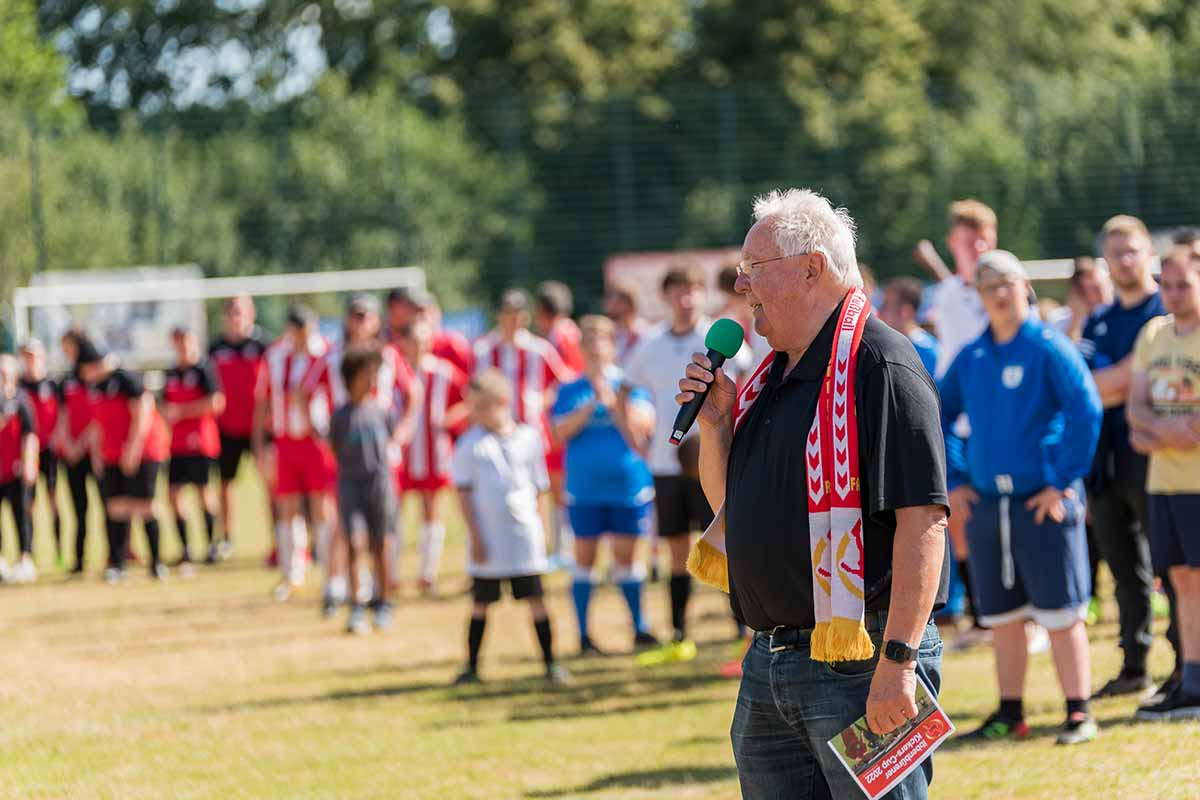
(784, 637)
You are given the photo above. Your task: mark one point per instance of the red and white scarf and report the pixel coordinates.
(834, 491)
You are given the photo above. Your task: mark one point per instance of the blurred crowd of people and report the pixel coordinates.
(1073, 437)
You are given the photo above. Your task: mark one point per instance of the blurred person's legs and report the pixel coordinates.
(432, 541)
(19, 496)
(681, 509)
(1175, 545)
(48, 469)
(585, 547)
(1118, 515)
(629, 576)
(233, 449)
(77, 478)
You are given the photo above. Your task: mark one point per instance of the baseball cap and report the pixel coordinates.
(1002, 262)
(362, 304)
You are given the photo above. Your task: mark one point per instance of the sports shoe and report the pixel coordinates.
(224, 550)
(113, 576)
(731, 670)
(1079, 728)
(383, 616)
(212, 555)
(1125, 683)
(1179, 705)
(1173, 682)
(159, 572)
(558, 675)
(468, 677)
(5, 571)
(358, 623)
(1093, 611)
(642, 639)
(1160, 605)
(995, 728)
(588, 648)
(683, 650)
(329, 606)
(282, 592)
(187, 570)
(970, 638)
(76, 570)
(25, 571)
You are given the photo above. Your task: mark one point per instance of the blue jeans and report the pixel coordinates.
(789, 707)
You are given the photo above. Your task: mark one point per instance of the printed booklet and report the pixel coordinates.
(877, 762)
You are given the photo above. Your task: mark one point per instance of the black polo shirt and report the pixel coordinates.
(902, 461)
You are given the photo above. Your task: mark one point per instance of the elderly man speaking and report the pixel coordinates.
(831, 470)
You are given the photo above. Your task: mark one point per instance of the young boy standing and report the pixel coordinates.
(499, 470)
(42, 394)
(18, 467)
(360, 433)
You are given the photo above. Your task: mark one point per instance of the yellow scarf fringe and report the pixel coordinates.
(707, 564)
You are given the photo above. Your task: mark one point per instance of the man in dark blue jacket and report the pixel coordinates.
(1035, 418)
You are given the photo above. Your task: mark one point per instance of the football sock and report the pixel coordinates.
(681, 590)
(475, 641)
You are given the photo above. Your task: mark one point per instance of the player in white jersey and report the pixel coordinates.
(441, 414)
(958, 317)
(535, 369)
(298, 422)
(679, 501)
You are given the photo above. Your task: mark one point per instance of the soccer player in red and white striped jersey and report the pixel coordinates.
(427, 460)
(298, 421)
(528, 361)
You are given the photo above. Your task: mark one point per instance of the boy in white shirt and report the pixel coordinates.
(499, 470)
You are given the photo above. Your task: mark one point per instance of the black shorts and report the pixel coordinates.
(371, 503)
(196, 470)
(48, 466)
(232, 450)
(487, 590)
(681, 505)
(140, 485)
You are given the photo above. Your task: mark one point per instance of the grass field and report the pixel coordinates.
(204, 688)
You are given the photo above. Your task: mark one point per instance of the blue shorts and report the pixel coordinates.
(1023, 570)
(1174, 530)
(590, 521)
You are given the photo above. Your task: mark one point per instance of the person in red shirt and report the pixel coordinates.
(442, 415)
(41, 392)
(75, 404)
(128, 443)
(298, 421)
(192, 400)
(406, 306)
(394, 387)
(18, 467)
(238, 358)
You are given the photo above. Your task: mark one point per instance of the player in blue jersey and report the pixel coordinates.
(606, 426)
(1018, 486)
(1117, 482)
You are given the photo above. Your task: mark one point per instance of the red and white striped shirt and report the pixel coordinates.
(284, 378)
(395, 377)
(531, 364)
(432, 448)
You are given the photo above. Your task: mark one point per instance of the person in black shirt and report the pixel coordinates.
(798, 266)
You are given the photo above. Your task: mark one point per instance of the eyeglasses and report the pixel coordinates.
(744, 266)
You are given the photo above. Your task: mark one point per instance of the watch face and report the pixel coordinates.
(899, 651)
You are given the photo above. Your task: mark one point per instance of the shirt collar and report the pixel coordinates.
(815, 360)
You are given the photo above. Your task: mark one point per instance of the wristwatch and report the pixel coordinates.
(898, 651)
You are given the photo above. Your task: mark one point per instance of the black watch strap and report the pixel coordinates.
(898, 651)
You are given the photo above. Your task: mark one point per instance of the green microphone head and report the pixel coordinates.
(725, 336)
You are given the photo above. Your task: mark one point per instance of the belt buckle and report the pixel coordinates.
(771, 646)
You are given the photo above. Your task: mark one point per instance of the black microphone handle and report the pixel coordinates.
(688, 411)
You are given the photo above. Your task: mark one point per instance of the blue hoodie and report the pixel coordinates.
(1034, 412)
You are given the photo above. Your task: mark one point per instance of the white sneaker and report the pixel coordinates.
(1039, 640)
(25, 571)
(112, 576)
(366, 587)
(5, 571)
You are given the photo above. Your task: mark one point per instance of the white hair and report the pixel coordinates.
(804, 221)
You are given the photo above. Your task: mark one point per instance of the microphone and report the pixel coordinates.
(723, 341)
